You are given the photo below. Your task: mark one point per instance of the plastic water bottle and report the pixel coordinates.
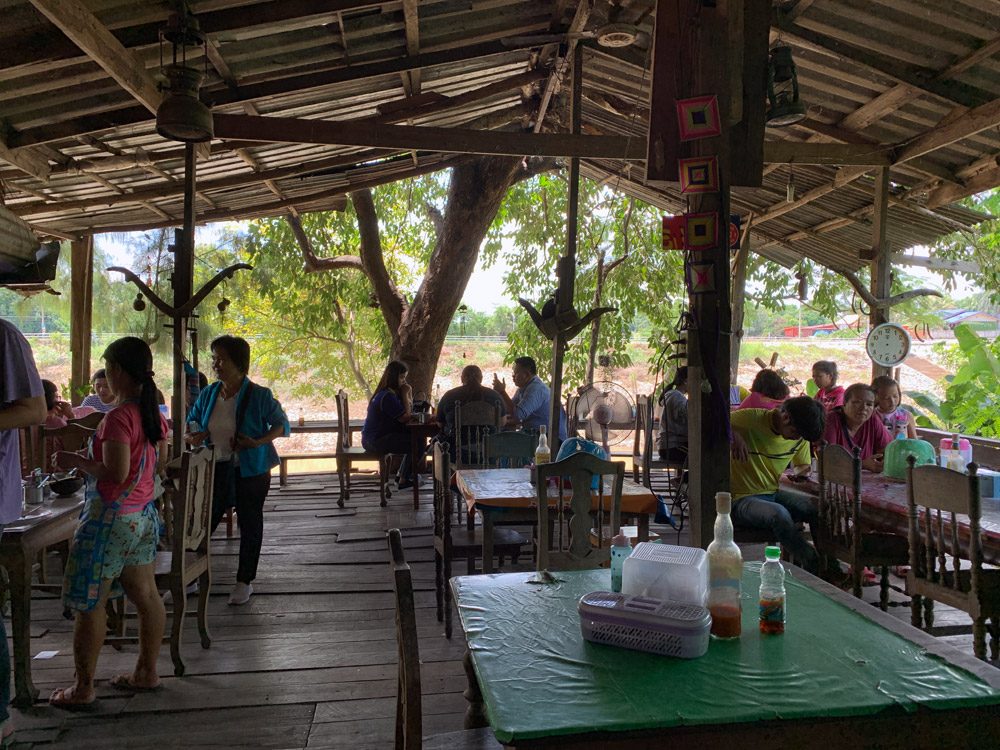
(620, 549)
(772, 592)
(725, 573)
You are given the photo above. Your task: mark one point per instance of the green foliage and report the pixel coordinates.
(972, 399)
(981, 246)
(611, 227)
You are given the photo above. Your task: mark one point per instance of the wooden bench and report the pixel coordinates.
(285, 458)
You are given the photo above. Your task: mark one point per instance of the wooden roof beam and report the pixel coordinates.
(837, 154)
(426, 138)
(27, 160)
(77, 22)
(970, 123)
(844, 176)
(411, 26)
(978, 183)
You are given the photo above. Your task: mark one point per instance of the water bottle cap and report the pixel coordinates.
(772, 553)
(723, 502)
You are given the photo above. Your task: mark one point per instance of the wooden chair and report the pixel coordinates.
(409, 719)
(459, 540)
(936, 497)
(188, 503)
(573, 550)
(510, 450)
(474, 420)
(572, 424)
(841, 534)
(72, 437)
(348, 454)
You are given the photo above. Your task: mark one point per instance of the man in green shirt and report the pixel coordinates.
(764, 443)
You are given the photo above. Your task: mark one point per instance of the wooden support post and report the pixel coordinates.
(709, 345)
(567, 264)
(81, 315)
(183, 285)
(740, 264)
(881, 284)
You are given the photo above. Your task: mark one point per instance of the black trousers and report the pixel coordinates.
(250, 493)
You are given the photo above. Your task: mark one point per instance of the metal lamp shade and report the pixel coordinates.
(182, 116)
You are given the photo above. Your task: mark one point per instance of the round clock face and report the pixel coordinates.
(888, 344)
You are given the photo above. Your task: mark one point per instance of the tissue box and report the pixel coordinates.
(665, 571)
(645, 624)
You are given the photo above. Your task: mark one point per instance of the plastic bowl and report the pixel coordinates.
(65, 487)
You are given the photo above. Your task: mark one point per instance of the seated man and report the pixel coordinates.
(764, 442)
(530, 404)
(472, 389)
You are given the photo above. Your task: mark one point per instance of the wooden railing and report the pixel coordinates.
(985, 451)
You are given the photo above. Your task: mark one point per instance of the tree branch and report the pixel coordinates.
(874, 302)
(436, 217)
(535, 166)
(390, 300)
(310, 262)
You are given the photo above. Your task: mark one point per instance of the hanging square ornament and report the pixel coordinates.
(673, 232)
(701, 231)
(701, 277)
(699, 117)
(699, 174)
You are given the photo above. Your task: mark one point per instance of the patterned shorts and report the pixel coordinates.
(133, 541)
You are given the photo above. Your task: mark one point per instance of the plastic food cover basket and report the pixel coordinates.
(642, 623)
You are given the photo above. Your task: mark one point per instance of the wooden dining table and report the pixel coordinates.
(884, 508)
(420, 433)
(508, 494)
(45, 525)
(843, 675)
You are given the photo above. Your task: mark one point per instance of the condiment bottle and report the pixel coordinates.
(620, 549)
(542, 453)
(725, 572)
(772, 592)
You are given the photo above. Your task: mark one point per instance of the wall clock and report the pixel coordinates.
(888, 344)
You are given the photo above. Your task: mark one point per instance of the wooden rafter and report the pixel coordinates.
(27, 160)
(968, 124)
(411, 26)
(273, 87)
(77, 22)
(836, 154)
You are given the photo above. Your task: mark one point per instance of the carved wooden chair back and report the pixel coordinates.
(474, 420)
(408, 708)
(510, 450)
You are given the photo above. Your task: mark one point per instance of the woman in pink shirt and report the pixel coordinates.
(115, 544)
(767, 391)
(856, 425)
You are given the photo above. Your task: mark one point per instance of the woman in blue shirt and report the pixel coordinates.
(388, 413)
(241, 419)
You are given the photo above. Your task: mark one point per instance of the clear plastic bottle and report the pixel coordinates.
(725, 572)
(620, 549)
(542, 453)
(772, 592)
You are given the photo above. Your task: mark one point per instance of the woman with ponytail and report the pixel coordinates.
(673, 438)
(115, 544)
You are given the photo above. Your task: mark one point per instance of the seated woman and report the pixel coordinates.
(115, 544)
(57, 415)
(767, 391)
(672, 441)
(856, 425)
(389, 411)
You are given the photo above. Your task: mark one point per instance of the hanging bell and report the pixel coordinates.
(224, 304)
(139, 304)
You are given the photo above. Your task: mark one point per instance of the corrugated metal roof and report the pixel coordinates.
(932, 62)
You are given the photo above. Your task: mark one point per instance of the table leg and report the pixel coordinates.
(25, 691)
(415, 442)
(487, 540)
(643, 527)
(475, 713)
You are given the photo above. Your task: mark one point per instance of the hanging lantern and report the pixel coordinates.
(224, 305)
(784, 107)
(139, 304)
(803, 285)
(182, 116)
(463, 311)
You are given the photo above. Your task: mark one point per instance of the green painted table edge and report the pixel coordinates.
(979, 686)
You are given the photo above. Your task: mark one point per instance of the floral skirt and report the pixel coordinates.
(104, 544)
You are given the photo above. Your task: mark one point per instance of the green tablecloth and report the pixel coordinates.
(540, 678)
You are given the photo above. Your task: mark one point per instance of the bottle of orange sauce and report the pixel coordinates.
(725, 572)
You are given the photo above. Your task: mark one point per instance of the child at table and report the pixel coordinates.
(887, 407)
(824, 375)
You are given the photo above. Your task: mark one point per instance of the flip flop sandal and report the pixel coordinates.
(67, 705)
(124, 682)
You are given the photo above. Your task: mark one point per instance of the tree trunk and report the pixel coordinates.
(474, 196)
